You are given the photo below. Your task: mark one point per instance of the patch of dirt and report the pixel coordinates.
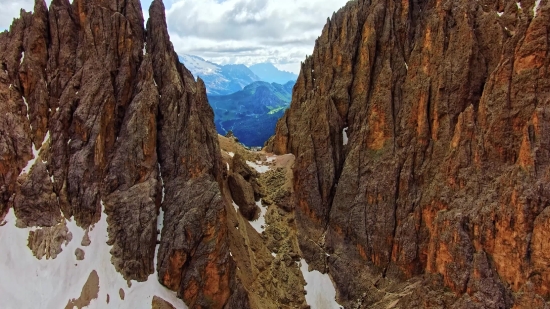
(90, 291)
(159, 303)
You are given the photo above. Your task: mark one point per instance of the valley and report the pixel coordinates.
(406, 166)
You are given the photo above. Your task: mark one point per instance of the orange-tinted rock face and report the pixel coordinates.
(446, 169)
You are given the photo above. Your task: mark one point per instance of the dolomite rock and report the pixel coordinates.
(46, 242)
(446, 167)
(193, 256)
(118, 111)
(243, 195)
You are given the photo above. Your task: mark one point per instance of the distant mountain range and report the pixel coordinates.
(227, 79)
(251, 113)
(219, 79)
(269, 73)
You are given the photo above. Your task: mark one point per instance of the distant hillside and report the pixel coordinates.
(251, 113)
(230, 78)
(219, 79)
(269, 73)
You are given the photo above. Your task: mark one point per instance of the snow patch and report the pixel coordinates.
(259, 168)
(500, 14)
(46, 139)
(519, 5)
(35, 152)
(22, 57)
(161, 183)
(31, 283)
(345, 136)
(259, 224)
(31, 162)
(235, 206)
(199, 66)
(160, 225)
(27, 105)
(321, 293)
(227, 166)
(536, 8)
(231, 154)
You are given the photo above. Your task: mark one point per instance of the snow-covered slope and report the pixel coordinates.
(199, 66)
(219, 79)
(27, 281)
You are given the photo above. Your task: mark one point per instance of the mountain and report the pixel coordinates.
(99, 139)
(219, 79)
(411, 169)
(269, 73)
(252, 112)
(230, 78)
(420, 130)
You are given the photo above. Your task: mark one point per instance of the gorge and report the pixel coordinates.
(410, 171)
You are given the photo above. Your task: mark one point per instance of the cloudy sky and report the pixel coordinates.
(235, 31)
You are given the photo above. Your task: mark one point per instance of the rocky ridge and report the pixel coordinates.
(99, 115)
(420, 135)
(419, 177)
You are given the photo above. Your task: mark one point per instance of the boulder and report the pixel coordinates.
(243, 195)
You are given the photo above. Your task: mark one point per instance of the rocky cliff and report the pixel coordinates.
(420, 176)
(98, 114)
(420, 130)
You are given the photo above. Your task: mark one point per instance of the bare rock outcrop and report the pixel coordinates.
(159, 303)
(94, 108)
(193, 254)
(46, 242)
(243, 195)
(420, 135)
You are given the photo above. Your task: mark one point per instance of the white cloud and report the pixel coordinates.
(249, 31)
(234, 31)
(11, 10)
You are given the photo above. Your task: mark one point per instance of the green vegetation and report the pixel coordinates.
(253, 112)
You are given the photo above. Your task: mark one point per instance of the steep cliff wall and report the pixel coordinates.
(420, 130)
(94, 109)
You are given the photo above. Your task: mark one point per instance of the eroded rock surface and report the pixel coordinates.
(243, 195)
(265, 247)
(159, 303)
(94, 109)
(46, 242)
(443, 165)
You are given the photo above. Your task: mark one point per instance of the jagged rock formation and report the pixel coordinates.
(243, 195)
(94, 109)
(421, 172)
(443, 168)
(266, 248)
